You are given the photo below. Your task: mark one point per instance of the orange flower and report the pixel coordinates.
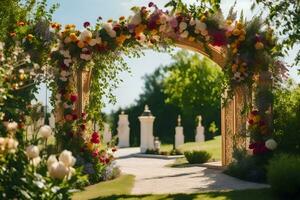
(203, 18)
(140, 29)
(120, 40)
(239, 25)
(236, 32)
(12, 34)
(80, 44)
(30, 37)
(259, 45)
(21, 23)
(73, 37)
(191, 39)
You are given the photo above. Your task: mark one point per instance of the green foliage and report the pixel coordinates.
(189, 86)
(195, 85)
(284, 176)
(195, 157)
(287, 117)
(285, 17)
(246, 167)
(20, 179)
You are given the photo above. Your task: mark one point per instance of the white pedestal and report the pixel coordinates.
(200, 137)
(123, 131)
(106, 133)
(179, 137)
(147, 139)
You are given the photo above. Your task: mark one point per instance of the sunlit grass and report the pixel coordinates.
(212, 146)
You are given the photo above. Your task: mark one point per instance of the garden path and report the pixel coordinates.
(153, 177)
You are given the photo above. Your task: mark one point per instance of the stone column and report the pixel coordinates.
(147, 139)
(106, 133)
(200, 137)
(179, 137)
(123, 130)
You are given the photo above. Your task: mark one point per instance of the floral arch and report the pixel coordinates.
(246, 51)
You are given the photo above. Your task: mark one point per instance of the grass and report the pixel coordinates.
(119, 186)
(212, 146)
(257, 194)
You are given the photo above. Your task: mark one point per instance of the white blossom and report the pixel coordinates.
(67, 158)
(32, 151)
(45, 131)
(136, 19)
(271, 144)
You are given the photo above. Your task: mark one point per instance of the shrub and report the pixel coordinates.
(194, 157)
(247, 167)
(284, 175)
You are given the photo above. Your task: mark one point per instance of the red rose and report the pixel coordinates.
(218, 38)
(95, 153)
(250, 121)
(73, 97)
(75, 117)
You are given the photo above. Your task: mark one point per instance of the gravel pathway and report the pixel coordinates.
(152, 177)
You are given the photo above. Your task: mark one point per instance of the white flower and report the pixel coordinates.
(32, 151)
(182, 26)
(85, 35)
(200, 26)
(109, 29)
(67, 158)
(271, 144)
(67, 40)
(192, 22)
(93, 42)
(65, 53)
(45, 131)
(67, 62)
(136, 19)
(184, 34)
(86, 57)
(12, 127)
(58, 170)
(35, 161)
(52, 159)
(11, 145)
(1, 46)
(64, 73)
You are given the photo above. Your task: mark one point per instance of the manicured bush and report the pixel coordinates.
(194, 157)
(284, 175)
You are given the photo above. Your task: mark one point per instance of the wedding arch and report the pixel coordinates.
(246, 51)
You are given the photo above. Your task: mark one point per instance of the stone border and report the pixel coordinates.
(143, 155)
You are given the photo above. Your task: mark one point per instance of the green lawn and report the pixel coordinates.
(118, 186)
(257, 194)
(212, 146)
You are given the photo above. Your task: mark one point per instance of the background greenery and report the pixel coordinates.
(189, 86)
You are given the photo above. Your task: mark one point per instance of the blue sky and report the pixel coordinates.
(79, 11)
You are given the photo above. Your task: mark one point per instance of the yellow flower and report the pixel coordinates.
(203, 18)
(30, 37)
(259, 45)
(235, 50)
(80, 44)
(90, 146)
(154, 32)
(73, 37)
(241, 38)
(140, 29)
(236, 32)
(228, 22)
(120, 40)
(239, 25)
(191, 39)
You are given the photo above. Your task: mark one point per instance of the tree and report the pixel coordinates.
(165, 105)
(285, 17)
(195, 85)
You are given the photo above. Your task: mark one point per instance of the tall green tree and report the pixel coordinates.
(195, 85)
(285, 17)
(200, 94)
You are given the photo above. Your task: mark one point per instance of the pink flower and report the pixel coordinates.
(174, 22)
(95, 153)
